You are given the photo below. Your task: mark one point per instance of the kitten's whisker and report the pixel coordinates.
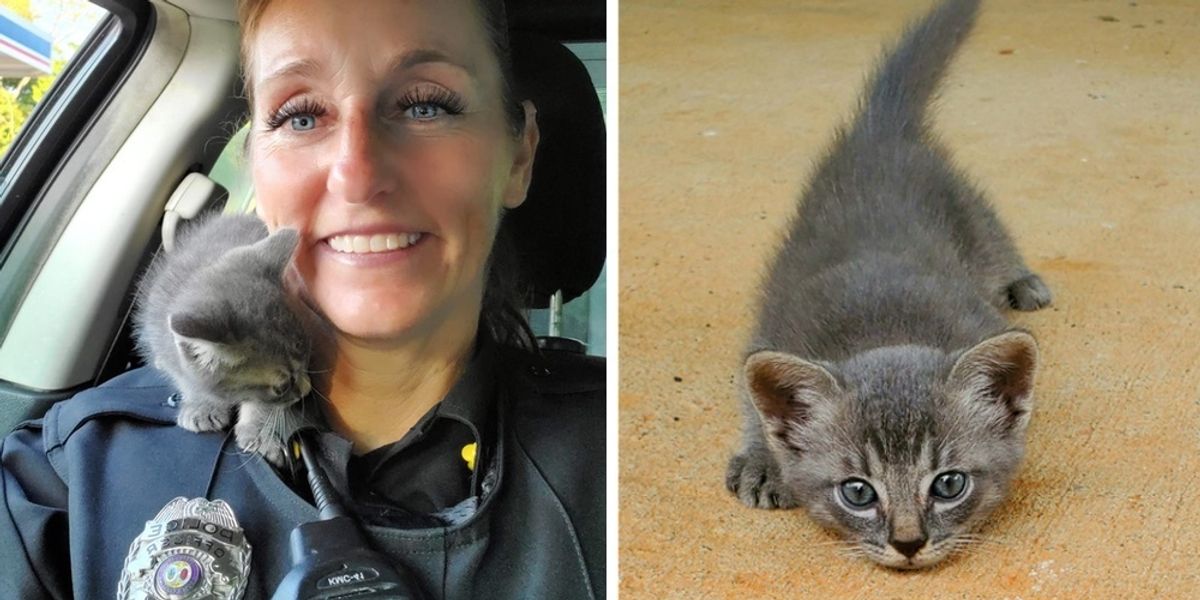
(827, 543)
(322, 396)
(981, 539)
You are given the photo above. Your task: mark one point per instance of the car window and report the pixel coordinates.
(37, 40)
(581, 319)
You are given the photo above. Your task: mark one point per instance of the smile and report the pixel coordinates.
(369, 244)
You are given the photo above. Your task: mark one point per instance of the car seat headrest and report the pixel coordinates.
(559, 231)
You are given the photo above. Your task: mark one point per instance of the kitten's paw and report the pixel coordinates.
(264, 443)
(203, 416)
(754, 479)
(1029, 293)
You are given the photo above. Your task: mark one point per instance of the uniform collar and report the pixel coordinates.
(469, 401)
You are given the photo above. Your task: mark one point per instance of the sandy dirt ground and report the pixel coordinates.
(1082, 120)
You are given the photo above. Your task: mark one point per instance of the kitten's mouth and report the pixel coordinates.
(373, 244)
(923, 560)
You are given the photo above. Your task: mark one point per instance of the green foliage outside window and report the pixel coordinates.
(18, 96)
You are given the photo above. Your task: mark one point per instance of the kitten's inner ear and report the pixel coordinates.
(786, 388)
(202, 342)
(1000, 371)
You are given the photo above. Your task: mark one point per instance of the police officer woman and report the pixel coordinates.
(387, 134)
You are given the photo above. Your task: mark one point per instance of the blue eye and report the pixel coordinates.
(425, 111)
(303, 122)
(430, 104)
(949, 485)
(300, 115)
(857, 493)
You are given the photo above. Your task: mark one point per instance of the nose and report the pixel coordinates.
(359, 172)
(305, 385)
(909, 548)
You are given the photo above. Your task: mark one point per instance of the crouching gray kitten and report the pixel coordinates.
(215, 317)
(884, 390)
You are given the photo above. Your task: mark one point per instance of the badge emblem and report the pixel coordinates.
(192, 549)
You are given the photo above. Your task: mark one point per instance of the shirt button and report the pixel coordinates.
(538, 371)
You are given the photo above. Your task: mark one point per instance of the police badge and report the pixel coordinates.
(193, 549)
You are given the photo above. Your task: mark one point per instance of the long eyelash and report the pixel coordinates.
(292, 108)
(447, 100)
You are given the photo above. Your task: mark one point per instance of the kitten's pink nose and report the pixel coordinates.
(909, 548)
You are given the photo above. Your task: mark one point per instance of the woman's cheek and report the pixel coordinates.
(284, 194)
(464, 176)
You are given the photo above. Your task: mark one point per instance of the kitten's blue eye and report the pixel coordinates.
(949, 485)
(304, 122)
(857, 493)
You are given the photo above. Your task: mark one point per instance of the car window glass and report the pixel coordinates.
(38, 38)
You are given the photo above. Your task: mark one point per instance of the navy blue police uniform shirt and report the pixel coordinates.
(79, 485)
(422, 479)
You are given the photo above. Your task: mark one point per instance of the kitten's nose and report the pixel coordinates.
(909, 548)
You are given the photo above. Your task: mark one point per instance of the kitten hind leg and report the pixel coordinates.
(987, 247)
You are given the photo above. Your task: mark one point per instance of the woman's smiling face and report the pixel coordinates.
(379, 133)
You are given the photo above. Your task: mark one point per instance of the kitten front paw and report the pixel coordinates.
(1029, 293)
(258, 440)
(755, 480)
(203, 416)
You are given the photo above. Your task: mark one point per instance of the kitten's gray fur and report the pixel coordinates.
(214, 316)
(881, 351)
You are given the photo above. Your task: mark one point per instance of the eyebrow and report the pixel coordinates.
(307, 67)
(419, 56)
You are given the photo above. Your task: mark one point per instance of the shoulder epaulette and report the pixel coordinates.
(143, 394)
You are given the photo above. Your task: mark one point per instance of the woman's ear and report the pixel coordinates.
(522, 168)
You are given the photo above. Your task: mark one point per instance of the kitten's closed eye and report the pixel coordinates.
(280, 390)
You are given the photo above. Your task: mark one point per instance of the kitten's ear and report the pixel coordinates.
(998, 372)
(275, 251)
(788, 390)
(280, 246)
(202, 343)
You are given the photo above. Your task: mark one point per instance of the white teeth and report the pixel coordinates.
(364, 244)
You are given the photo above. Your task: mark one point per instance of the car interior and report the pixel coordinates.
(122, 150)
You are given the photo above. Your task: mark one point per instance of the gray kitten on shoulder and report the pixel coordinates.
(884, 391)
(215, 317)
